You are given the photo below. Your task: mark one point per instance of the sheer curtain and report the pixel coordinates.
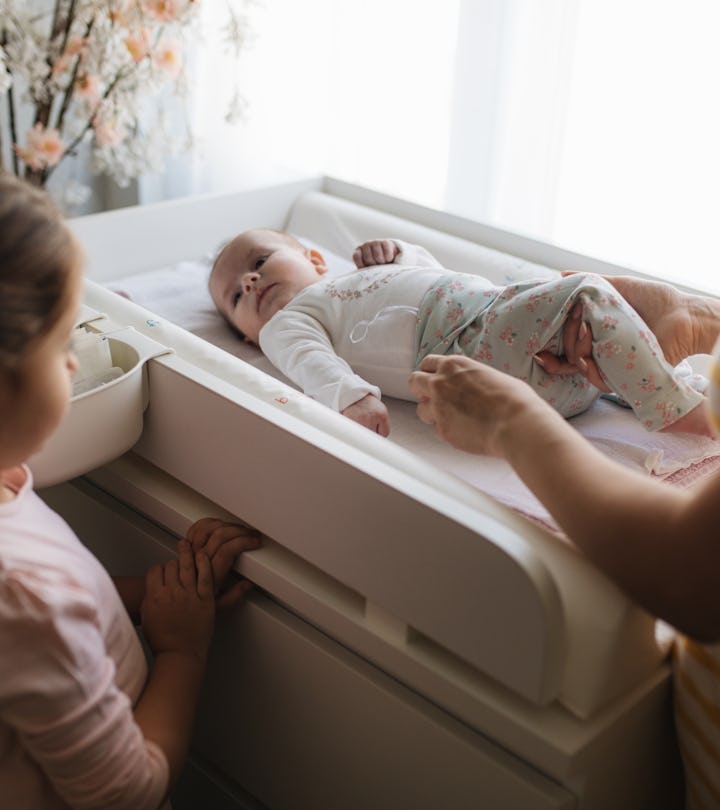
(590, 123)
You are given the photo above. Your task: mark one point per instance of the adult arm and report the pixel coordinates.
(658, 543)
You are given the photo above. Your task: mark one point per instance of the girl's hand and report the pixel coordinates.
(222, 542)
(178, 612)
(376, 251)
(371, 413)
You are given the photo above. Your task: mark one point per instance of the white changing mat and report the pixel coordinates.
(179, 294)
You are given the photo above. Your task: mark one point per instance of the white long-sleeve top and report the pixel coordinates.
(345, 337)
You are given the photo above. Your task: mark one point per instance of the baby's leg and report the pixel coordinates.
(521, 320)
(631, 360)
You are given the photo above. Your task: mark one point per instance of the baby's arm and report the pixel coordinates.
(298, 345)
(370, 412)
(392, 251)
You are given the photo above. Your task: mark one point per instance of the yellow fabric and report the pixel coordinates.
(697, 716)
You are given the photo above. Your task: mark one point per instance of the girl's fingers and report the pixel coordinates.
(243, 538)
(200, 531)
(171, 572)
(154, 577)
(205, 588)
(235, 594)
(186, 565)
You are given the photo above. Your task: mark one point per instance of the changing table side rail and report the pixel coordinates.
(140, 238)
(413, 552)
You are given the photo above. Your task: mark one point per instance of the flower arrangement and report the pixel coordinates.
(96, 72)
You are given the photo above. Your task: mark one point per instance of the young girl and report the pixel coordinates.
(81, 722)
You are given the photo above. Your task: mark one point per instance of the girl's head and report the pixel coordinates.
(40, 284)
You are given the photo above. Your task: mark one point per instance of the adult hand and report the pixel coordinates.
(470, 404)
(371, 413)
(578, 359)
(222, 542)
(376, 251)
(178, 611)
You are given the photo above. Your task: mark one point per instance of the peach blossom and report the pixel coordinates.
(108, 131)
(43, 147)
(161, 10)
(121, 11)
(138, 44)
(87, 86)
(168, 57)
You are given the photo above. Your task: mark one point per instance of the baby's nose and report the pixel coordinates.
(250, 280)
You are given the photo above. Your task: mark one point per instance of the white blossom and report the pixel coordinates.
(90, 79)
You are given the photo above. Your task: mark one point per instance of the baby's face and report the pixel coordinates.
(257, 274)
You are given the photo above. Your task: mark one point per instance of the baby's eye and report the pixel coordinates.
(236, 298)
(260, 262)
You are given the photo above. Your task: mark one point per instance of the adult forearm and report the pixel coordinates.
(637, 530)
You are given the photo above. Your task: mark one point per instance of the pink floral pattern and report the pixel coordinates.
(506, 326)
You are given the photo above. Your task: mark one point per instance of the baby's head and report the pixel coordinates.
(257, 273)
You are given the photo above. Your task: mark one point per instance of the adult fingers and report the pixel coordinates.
(554, 364)
(572, 333)
(431, 363)
(425, 412)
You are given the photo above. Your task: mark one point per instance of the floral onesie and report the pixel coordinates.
(364, 333)
(505, 326)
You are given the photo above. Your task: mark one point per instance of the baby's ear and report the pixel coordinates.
(317, 259)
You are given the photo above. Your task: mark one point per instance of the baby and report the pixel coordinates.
(346, 339)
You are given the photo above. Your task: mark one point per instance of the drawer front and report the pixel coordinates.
(300, 721)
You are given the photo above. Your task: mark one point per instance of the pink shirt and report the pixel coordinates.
(71, 669)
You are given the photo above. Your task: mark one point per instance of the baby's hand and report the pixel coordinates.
(371, 413)
(377, 251)
(222, 542)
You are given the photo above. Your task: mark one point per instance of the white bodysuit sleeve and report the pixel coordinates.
(414, 255)
(297, 345)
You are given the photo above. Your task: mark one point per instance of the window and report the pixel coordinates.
(594, 124)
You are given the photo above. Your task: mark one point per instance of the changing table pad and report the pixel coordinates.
(179, 294)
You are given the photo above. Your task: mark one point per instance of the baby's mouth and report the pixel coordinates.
(261, 295)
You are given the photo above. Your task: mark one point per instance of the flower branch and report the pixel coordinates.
(94, 72)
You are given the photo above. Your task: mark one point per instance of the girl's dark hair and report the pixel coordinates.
(37, 255)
